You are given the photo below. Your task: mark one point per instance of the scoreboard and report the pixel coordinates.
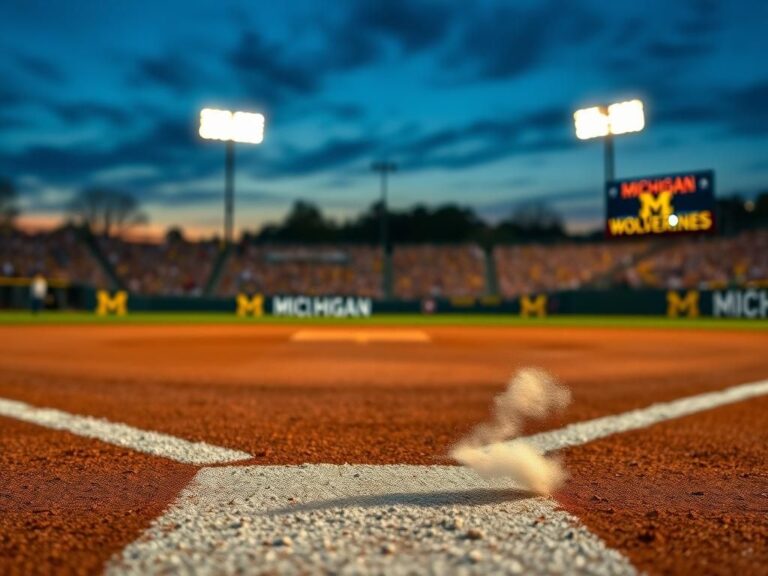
(661, 205)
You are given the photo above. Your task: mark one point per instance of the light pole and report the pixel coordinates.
(231, 127)
(384, 168)
(606, 122)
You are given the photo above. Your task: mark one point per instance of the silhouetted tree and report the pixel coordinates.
(304, 223)
(174, 235)
(531, 221)
(106, 211)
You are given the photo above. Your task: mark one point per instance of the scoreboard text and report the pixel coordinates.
(656, 205)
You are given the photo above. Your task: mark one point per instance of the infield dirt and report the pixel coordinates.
(251, 388)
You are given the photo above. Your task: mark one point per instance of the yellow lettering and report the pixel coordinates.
(660, 205)
(687, 305)
(536, 306)
(247, 305)
(106, 304)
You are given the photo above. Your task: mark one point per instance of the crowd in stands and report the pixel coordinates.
(314, 271)
(174, 267)
(179, 267)
(438, 271)
(58, 255)
(705, 263)
(535, 268)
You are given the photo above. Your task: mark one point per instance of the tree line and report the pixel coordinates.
(445, 223)
(108, 212)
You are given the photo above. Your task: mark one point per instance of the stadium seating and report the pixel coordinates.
(311, 270)
(436, 271)
(59, 255)
(704, 263)
(534, 268)
(183, 268)
(171, 268)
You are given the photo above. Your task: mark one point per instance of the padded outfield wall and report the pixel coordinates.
(727, 303)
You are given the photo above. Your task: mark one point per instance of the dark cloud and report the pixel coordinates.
(344, 112)
(169, 71)
(265, 69)
(85, 112)
(359, 36)
(276, 72)
(745, 110)
(676, 49)
(170, 145)
(330, 155)
(39, 68)
(10, 96)
(414, 26)
(10, 120)
(727, 112)
(669, 111)
(470, 145)
(642, 50)
(505, 40)
(484, 141)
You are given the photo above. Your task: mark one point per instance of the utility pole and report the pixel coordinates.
(384, 168)
(229, 193)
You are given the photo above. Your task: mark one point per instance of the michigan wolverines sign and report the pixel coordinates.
(659, 205)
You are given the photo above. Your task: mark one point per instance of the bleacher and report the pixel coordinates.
(180, 267)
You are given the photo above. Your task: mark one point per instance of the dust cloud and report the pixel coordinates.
(491, 449)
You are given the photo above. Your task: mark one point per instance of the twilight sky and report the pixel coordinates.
(472, 98)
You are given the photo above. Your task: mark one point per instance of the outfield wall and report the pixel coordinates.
(727, 303)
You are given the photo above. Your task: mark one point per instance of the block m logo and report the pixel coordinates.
(687, 305)
(536, 306)
(107, 304)
(247, 305)
(659, 205)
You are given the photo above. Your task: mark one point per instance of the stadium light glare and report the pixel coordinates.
(591, 123)
(618, 118)
(626, 117)
(224, 125)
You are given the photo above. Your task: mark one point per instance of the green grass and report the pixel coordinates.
(76, 318)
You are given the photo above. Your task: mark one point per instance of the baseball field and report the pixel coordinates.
(209, 443)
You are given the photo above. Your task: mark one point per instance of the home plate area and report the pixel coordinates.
(348, 519)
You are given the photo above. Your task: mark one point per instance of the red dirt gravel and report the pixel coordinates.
(688, 496)
(251, 388)
(68, 503)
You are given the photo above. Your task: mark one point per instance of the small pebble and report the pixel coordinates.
(474, 534)
(283, 541)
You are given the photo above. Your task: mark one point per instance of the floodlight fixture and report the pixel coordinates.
(243, 127)
(619, 118)
(591, 123)
(626, 117)
(231, 127)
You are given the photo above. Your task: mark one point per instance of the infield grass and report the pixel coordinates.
(170, 318)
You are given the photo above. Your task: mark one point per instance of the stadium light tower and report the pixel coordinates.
(231, 127)
(385, 168)
(606, 122)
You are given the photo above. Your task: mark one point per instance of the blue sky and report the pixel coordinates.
(473, 99)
